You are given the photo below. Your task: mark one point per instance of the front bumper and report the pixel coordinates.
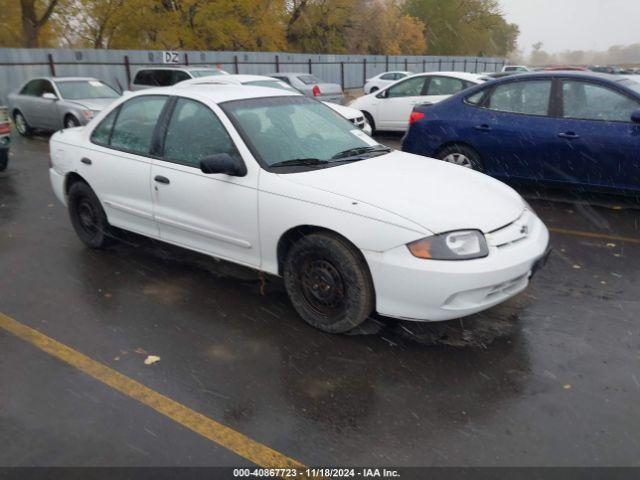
(57, 184)
(429, 290)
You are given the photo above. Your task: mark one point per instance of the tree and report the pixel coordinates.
(464, 27)
(32, 22)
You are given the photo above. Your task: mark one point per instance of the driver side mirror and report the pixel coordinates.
(635, 116)
(49, 96)
(223, 163)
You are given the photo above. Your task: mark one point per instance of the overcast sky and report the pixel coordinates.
(575, 24)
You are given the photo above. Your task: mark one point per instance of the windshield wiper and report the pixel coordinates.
(359, 151)
(299, 162)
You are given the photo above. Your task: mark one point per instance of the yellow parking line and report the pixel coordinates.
(602, 236)
(238, 443)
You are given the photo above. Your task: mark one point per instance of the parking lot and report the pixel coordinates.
(560, 386)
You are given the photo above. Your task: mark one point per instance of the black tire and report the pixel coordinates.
(4, 159)
(70, 122)
(328, 283)
(22, 126)
(462, 151)
(370, 121)
(373, 90)
(88, 217)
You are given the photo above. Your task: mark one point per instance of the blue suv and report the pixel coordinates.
(562, 128)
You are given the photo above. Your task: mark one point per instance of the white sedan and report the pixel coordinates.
(390, 108)
(277, 182)
(354, 116)
(385, 79)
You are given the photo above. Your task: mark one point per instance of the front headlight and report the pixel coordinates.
(88, 114)
(460, 245)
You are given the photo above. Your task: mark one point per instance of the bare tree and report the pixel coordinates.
(31, 23)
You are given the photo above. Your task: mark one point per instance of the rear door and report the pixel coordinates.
(118, 165)
(392, 107)
(215, 214)
(597, 142)
(514, 132)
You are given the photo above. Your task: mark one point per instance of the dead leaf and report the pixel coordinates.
(151, 359)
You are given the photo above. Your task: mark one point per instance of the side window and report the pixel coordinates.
(528, 97)
(476, 98)
(179, 76)
(284, 79)
(31, 88)
(102, 132)
(412, 87)
(144, 77)
(133, 130)
(588, 101)
(47, 88)
(195, 132)
(388, 76)
(445, 86)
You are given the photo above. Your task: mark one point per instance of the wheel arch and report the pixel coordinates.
(457, 142)
(71, 179)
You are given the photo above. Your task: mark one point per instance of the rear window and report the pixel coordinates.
(309, 79)
(206, 73)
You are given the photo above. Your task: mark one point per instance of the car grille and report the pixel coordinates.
(358, 122)
(513, 233)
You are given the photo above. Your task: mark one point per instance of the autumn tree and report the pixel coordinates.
(27, 23)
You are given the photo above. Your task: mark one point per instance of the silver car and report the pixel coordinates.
(312, 86)
(54, 103)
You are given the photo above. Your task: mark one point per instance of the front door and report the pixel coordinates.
(215, 214)
(598, 144)
(393, 105)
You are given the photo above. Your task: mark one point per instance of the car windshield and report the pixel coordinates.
(205, 73)
(286, 130)
(271, 84)
(632, 84)
(82, 89)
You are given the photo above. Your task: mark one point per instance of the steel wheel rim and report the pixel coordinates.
(87, 217)
(322, 286)
(71, 123)
(21, 124)
(459, 159)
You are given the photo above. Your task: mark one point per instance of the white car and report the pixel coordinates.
(515, 68)
(279, 183)
(385, 79)
(354, 116)
(389, 109)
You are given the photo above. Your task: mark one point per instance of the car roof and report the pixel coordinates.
(224, 93)
(64, 79)
(235, 78)
(461, 75)
(567, 74)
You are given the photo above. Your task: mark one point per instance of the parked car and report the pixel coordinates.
(564, 68)
(493, 75)
(354, 116)
(389, 108)
(351, 225)
(515, 68)
(564, 128)
(385, 79)
(58, 102)
(167, 76)
(312, 86)
(5, 137)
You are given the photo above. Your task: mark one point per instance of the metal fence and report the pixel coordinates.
(117, 67)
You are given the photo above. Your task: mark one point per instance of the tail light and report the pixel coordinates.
(415, 116)
(316, 90)
(5, 128)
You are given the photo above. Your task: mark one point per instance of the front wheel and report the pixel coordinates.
(463, 156)
(373, 90)
(21, 125)
(88, 218)
(70, 122)
(329, 283)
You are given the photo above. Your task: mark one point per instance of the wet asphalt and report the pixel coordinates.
(560, 388)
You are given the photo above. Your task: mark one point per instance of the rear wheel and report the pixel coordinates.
(70, 122)
(21, 125)
(373, 89)
(463, 156)
(4, 159)
(88, 218)
(328, 283)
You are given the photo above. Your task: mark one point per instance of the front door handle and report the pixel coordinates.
(484, 127)
(161, 179)
(569, 135)
(86, 161)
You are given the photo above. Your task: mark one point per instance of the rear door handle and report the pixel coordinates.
(483, 127)
(161, 179)
(569, 135)
(86, 161)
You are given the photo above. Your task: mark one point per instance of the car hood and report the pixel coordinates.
(347, 112)
(96, 104)
(438, 196)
